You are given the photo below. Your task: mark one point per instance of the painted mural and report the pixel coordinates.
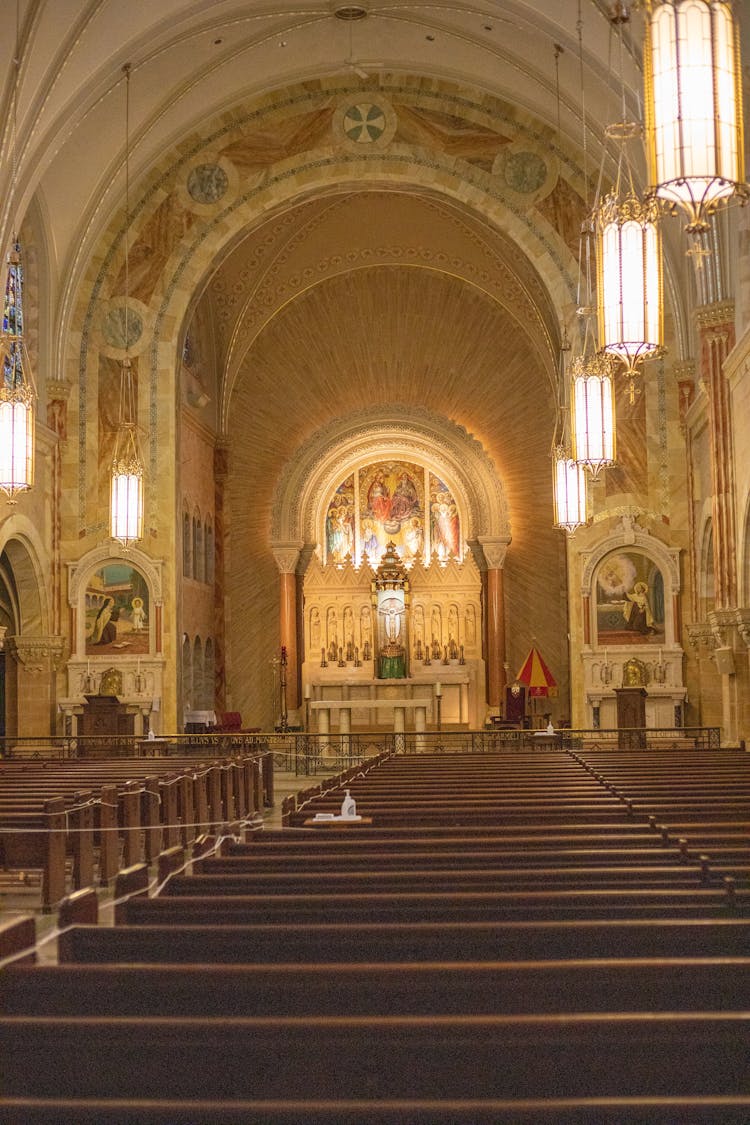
(392, 501)
(629, 600)
(444, 522)
(391, 508)
(117, 611)
(340, 522)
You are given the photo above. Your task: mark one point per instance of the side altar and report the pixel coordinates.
(382, 644)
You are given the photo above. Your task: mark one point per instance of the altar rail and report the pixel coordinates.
(308, 754)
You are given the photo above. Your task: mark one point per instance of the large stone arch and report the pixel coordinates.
(182, 266)
(21, 544)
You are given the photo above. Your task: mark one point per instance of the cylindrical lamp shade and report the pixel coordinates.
(693, 104)
(569, 490)
(593, 413)
(629, 277)
(16, 440)
(126, 493)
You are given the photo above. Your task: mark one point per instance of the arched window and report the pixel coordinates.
(209, 573)
(208, 677)
(199, 693)
(187, 542)
(196, 519)
(200, 554)
(187, 674)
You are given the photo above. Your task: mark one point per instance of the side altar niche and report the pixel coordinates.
(397, 631)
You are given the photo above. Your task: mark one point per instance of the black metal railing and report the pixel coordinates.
(305, 753)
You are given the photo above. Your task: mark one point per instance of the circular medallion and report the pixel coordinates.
(122, 327)
(364, 123)
(525, 172)
(207, 183)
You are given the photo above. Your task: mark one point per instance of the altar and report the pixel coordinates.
(345, 704)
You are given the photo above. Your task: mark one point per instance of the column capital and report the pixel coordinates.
(701, 637)
(717, 315)
(286, 556)
(743, 624)
(36, 653)
(494, 549)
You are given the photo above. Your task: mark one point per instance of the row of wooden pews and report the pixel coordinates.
(76, 821)
(566, 958)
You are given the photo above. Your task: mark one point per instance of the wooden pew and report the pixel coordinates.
(347, 941)
(380, 989)
(610, 1055)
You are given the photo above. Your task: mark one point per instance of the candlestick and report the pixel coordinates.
(438, 689)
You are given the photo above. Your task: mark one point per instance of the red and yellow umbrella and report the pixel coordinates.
(536, 675)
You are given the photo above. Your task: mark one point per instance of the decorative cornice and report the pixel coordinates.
(722, 623)
(36, 654)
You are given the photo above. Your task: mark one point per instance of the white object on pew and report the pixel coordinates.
(550, 728)
(349, 807)
(151, 735)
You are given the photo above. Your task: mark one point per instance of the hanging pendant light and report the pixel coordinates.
(126, 492)
(568, 476)
(629, 271)
(569, 491)
(127, 471)
(593, 411)
(693, 104)
(17, 394)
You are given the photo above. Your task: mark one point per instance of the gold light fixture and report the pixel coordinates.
(569, 490)
(693, 106)
(592, 373)
(629, 277)
(628, 250)
(568, 476)
(17, 394)
(127, 472)
(593, 411)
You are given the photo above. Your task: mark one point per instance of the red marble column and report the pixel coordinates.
(494, 553)
(716, 326)
(287, 557)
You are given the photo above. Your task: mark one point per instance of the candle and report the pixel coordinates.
(438, 689)
(660, 656)
(605, 656)
(138, 666)
(307, 691)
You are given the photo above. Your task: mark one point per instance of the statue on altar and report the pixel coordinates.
(390, 590)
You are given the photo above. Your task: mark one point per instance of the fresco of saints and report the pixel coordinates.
(379, 497)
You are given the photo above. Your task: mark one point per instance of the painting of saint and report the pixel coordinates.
(629, 600)
(117, 611)
(340, 523)
(444, 521)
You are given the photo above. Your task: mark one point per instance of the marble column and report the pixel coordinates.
(717, 336)
(221, 474)
(494, 553)
(30, 679)
(57, 420)
(287, 557)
